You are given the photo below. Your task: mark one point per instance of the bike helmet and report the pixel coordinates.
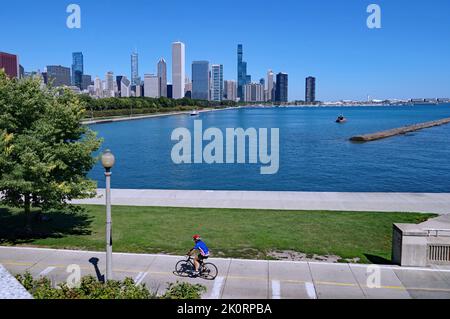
(196, 237)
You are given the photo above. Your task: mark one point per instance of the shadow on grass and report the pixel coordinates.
(71, 220)
(377, 260)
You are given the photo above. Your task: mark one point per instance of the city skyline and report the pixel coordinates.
(350, 60)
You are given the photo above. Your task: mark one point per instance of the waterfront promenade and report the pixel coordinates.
(241, 279)
(377, 202)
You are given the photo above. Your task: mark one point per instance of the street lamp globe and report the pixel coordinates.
(108, 159)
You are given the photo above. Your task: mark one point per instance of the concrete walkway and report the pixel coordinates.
(241, 279)
(382, 202)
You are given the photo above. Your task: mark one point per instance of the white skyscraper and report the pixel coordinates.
(125, 86)
(98, 87)
(269, 86)
(178, 69)
(151, 85)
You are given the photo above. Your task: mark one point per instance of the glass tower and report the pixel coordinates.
(243, 78)
(200, 80)
(77, 69)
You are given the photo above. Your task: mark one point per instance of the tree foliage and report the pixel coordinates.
(45, 153)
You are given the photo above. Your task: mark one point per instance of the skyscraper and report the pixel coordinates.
(162, 77)
(269, 86)
(200, 80)
(58, 75)
(310, 90)
(242, 76)
(178, 69)
(230, 93)
(281, 94)
(10, 63)
(109, 89)
(135, 80)
(125, 87)
(217, 82)
(98, 87)
(151, 85)
(86, 80)
(119, 84)
(77, 69)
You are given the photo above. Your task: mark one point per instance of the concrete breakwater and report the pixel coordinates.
(398, 131)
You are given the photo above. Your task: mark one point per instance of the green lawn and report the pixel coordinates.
(228, 232)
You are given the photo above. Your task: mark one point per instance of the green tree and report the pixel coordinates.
(45, 153)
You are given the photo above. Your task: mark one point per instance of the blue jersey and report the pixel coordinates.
(201, 246)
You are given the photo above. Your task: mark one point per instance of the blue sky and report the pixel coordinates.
(408, 57)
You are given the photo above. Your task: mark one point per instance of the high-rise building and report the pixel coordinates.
(86, 80)
(254, 92)
(162, 76)
(151, 85)
(98, 87)
(282, 91)
(135, 80)
(269, 86)
(200, 80)
(125, 87)
(217, 82)
(119, 85)
(178, 69)
(188, 88)
(310, 90)
(58, 75)
(170, 91)
(77, 69)
(243, 77)
(109, 89)
(21, 72)
(230, 93)
(10, 63)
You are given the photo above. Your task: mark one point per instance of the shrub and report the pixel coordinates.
(183, 290)
(91, 288)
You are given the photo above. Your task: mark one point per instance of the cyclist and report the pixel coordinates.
(203, 252)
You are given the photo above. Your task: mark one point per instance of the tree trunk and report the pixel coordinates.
(29, 218)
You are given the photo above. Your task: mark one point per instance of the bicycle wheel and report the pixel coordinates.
(183, 268)
(209, 271)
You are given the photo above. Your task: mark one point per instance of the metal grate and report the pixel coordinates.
(439, 253)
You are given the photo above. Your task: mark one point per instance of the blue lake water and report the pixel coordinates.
(315, 152)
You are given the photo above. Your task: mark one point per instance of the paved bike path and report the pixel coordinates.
(240, 279)
(377, 202)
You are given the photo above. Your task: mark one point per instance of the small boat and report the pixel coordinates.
(195, 113)
(341, 119)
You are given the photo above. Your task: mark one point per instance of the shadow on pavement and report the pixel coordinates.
(377, 260)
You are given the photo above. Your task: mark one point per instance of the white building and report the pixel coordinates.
(125, 87)
(178, 69)
(269, 86)
(151, 85)
(230, 91)
(98, 87)
(216, 82)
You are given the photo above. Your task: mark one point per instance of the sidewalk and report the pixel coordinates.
(378, 202)
(241, 279)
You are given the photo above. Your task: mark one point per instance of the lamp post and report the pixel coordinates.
(108, 161)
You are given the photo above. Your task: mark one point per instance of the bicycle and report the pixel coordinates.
(185, 268)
